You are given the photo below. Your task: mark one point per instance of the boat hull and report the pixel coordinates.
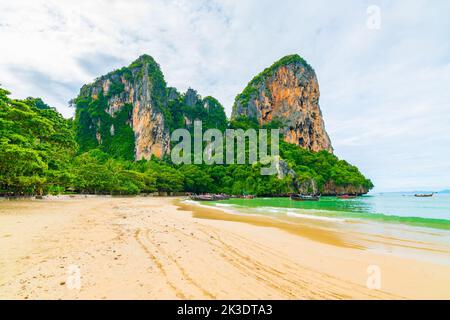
(305, 198)
(346, 197)
(209, 197)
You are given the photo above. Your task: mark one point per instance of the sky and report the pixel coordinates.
(383, 66)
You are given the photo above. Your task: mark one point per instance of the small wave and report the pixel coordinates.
(270, 209)
(308, 216)
(225, 205)
(295, 213)
(330, 215)
(220, 206)
(190, 202)
(279, 210)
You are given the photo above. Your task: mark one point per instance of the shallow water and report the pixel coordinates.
(431, 212)
(388, 223)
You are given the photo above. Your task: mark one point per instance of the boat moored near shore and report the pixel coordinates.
(209, 197)
(301, 197)
(346, 196)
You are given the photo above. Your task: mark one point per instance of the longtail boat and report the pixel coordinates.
(301, 197)
(346, 196)
(423, 195)
(209, 197)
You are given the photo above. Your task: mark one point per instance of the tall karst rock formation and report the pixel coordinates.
(124, 111)
(288, 92)
(129, 113)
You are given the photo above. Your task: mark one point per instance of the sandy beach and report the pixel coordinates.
(161, 248)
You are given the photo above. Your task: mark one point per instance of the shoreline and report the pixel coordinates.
(157, 248)
(313, 233)
(385, 237)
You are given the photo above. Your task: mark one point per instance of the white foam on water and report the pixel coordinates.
(225, 205)
(191, 202)
(269, 209)
(314, 217)
(294, 213)
(221, 208)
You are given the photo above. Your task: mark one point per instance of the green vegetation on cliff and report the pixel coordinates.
(97, 127)
(251, 90)
(323, 167)
(39, 155)
(41, 152)
(112, 133)
(189, 107)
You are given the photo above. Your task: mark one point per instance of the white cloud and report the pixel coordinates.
(384, 94)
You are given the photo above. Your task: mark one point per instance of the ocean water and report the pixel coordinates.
(390, 223)
(397, 208)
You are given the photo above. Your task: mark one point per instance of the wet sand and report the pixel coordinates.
(159, 248)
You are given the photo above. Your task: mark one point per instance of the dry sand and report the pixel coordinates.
(155, 248)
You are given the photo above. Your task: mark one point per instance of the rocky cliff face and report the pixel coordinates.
(142, 88)
(130, 112)
(135, 99)
(331, 189)
(287, 92)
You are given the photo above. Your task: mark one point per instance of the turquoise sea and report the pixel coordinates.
(390, 223)
(401, 208)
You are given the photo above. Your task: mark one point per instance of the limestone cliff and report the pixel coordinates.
(287, 92)
(140, 92)
(129, 113)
